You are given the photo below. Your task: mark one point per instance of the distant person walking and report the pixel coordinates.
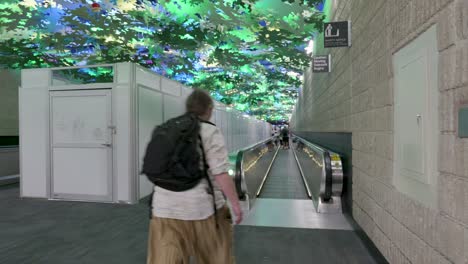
(285, 137)
(275, 136)
(194, 222)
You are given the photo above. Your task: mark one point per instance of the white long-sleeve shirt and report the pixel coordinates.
(196, 203)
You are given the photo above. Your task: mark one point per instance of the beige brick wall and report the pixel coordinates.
(357, 97)
(9, 82)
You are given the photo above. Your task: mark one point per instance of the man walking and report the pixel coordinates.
(186, 224)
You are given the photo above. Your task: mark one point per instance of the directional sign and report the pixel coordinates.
(321, 63)
(463, 122)
(337, 34)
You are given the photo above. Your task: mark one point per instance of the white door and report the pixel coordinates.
(81, 145)
(412, 78)
(416, 118)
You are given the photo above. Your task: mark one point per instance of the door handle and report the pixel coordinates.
(107, 145)
(113, 129)
(418, 118)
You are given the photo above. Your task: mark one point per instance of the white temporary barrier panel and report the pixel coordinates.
(150, 113)
(84, 130)
(34, 135)
(173, 106)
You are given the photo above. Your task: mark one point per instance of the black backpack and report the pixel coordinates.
(172, 159)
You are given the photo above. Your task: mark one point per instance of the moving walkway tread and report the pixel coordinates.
(284, 180)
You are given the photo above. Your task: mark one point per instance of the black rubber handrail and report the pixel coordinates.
(238, 176)
(328, 176)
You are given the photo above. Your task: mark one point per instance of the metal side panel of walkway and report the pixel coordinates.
(284, 180)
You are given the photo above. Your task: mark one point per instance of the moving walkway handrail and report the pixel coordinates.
(327, 192)
(239, 176)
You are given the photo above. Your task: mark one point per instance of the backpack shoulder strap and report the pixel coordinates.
(205, 164)
(210, 184)
(207, 122)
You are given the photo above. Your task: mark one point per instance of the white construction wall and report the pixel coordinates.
(139, 101)
(160, 99)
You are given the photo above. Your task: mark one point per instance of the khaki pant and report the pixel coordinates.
(174, 241)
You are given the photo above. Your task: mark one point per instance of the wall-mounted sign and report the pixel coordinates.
(463, 122)
(321, 63)
(337, 34)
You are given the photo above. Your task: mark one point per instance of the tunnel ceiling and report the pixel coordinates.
(249, 54)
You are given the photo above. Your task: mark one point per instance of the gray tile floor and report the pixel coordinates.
(53, 232)
(38, 231)
(273, 245)
(291, 231)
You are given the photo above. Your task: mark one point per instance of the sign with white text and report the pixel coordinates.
(321, 63)
(337, 34)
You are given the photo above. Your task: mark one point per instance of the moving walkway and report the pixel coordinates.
(292, 207)
(306, 171)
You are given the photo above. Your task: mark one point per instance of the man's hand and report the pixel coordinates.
(227, 187)
(238, 213)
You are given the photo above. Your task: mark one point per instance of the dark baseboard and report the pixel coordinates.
(9, 141)
(8, 186)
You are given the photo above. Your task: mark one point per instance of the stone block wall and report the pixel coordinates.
(9, 83)
(357, 97)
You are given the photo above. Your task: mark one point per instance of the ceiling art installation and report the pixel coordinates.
(249, 54)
